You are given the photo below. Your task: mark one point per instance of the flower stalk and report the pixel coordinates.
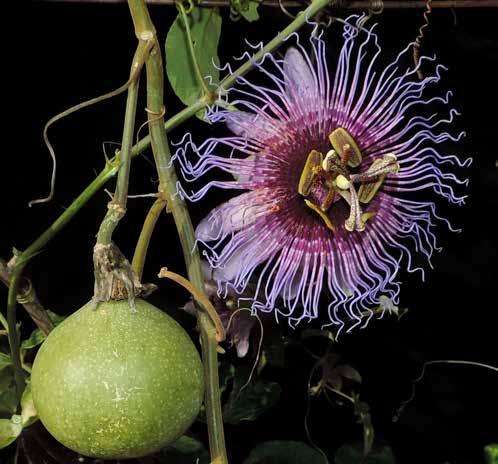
(167, 187)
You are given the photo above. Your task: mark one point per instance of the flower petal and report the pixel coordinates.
(299, 80)
(235, 214)
(250, 125)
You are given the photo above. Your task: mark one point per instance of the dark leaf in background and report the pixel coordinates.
(8, 397)
(353, 454)
(274, 349)
(284, 452)
(5, 361)
(185, 450)
(226, 372)
(247, 401)
(348, 372)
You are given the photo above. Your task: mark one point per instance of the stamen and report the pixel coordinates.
(329, 199)
(314, 161)
(346, 147)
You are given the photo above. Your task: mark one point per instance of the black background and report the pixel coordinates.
(60, 54)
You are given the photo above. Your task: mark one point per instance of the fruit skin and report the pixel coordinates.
(111, 383)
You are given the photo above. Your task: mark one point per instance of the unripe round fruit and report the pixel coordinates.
(111, 383)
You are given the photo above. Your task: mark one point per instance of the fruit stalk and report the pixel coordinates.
(117, 207)
(114, 278)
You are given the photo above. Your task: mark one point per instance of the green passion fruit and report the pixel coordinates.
(112, 384)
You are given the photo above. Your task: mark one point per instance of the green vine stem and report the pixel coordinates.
(301, 19)
(145, 235)
(167, 186)
(26, 295)
(114, 278)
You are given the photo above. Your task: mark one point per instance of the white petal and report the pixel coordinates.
(299, 80)
(231, 216)
(251, 125)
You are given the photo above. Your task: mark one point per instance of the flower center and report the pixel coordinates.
(326, 180)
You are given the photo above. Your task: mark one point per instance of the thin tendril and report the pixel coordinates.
(420, 37)
(80, 106)
(308, 412)
(422, 374)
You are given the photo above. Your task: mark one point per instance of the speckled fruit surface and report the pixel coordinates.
(111, 383)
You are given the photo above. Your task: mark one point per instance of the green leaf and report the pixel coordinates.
(8, 397)
(284, 452)
(5, 361)
(250, 11)
(29, 413)
(35, 339)
(37, 336)
(6, 379)
(205, 28)
(248, 402)
(491, 453)
(353, 454)
(185, 450)
(10, 429)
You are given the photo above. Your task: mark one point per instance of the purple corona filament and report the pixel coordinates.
(267, 241)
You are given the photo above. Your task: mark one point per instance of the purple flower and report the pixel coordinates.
(338, 173)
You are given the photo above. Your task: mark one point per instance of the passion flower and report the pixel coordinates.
(340, 175)
(111, 383)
